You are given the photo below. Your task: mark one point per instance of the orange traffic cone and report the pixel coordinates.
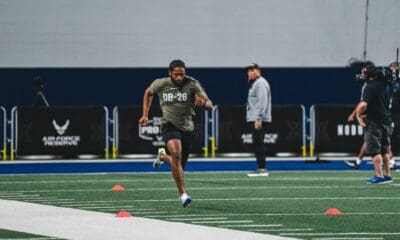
(333, 212)
(118, 188)
(123, 214)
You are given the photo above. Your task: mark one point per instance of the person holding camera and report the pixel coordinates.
(373, 113)
(395, 109)
(360, 78)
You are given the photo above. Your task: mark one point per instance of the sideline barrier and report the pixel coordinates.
(132, 139)
(331, 133)
(3, 133)
(285, 136)
(59, 132)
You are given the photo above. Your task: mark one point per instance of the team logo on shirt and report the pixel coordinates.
(152, 132)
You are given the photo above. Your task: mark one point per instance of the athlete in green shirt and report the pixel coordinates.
(178, 95)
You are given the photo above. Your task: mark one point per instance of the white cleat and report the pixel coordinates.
(186, 200)
(157, 162)
(261, 172)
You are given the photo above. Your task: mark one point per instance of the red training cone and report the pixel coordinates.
(118, 188)
(123, 214)
(333, 212)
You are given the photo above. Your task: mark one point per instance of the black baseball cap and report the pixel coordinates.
(253, 66)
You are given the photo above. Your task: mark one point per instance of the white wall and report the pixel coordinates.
(205, 33)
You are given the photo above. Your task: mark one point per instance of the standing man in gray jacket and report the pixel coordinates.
(258, 114)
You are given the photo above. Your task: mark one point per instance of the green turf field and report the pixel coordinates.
(6, 234)
(285, 203)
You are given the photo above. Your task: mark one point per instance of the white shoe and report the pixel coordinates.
(353, 164)
(392, 163)
(157, 162)
(186, 200)
(261, 172)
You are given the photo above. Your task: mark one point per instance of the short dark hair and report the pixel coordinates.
(394, 65)
(176, 63)
(368, 64)
(252, 66)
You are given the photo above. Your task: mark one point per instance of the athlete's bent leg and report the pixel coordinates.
(166, 158)
(175, 150)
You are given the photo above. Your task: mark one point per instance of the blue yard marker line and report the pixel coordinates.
(146, 166)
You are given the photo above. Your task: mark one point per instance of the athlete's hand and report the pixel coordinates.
(257, 125)
(361, 120)
(143, 121)
(199, 101)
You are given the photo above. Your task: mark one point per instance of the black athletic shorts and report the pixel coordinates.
(169, 132)
(377, 138)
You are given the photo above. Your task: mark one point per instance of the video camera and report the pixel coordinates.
(370, 71)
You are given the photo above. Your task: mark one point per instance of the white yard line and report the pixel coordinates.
(67, 223)
(101, 201)
(347, 238)
(342, 234)
(304, 179)
(11, 193)
(218, 222)
(27, 198)
(133, 189)
(196, 219)
(85, 204)
(24, 195)
(252, 225)
(142, 213)
(106, 207)
(57, 200)
(287, 229)
(42, 238)
(271, 199)
(130, 210)
(264, 214)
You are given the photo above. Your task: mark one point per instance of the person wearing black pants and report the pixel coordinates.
(258, 144)
(258, 114)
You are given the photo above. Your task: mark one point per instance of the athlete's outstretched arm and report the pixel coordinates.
(147, 99)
